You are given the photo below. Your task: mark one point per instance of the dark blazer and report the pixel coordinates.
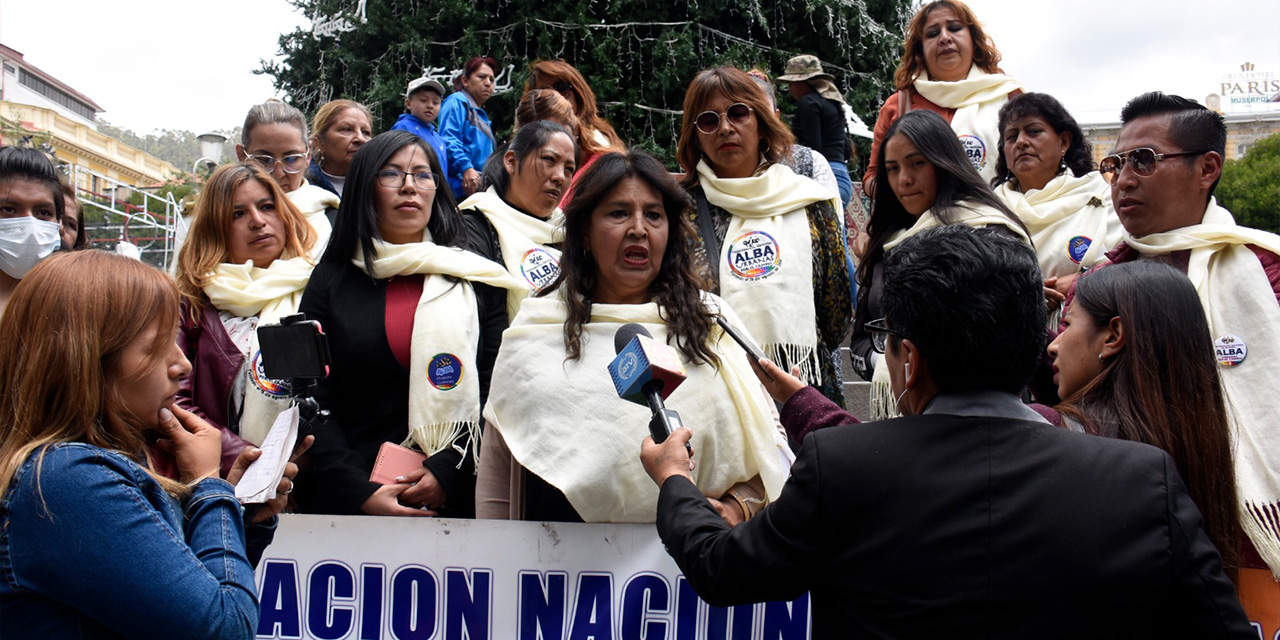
(967, 527)
(367, 393)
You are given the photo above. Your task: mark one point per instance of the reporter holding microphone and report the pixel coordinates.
(558, 441)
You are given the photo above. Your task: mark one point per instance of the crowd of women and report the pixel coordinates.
(470, 292)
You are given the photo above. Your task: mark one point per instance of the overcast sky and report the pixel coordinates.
(155, 64)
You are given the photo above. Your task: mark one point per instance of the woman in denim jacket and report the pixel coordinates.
(93, 543)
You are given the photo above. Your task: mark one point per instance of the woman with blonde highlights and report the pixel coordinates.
(96, 543)
(245, 262)
(951, 67)
(338, 129)
(750, 211)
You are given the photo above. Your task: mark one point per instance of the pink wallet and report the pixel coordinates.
(395, 461)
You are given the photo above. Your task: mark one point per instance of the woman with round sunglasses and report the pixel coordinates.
(949, 66)
(926, 181)
(1046, 177)
(414, 323)
(516, 220)
(274, 136)
(767, 240)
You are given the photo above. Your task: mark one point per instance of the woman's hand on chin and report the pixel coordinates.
(386, 502)
(194, 443)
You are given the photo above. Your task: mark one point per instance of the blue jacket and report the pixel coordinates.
(315, 176)
(101, 551)
(468, 146)
(411, 123)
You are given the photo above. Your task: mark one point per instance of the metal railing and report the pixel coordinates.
(151, 225)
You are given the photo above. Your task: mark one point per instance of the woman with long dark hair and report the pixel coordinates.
(1125, 368)
(1046, 175)
(925, 181)
(414, 323)
(949, 66)
(559, 443)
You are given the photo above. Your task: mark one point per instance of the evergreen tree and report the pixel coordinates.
(638, 55)
(1250, 186)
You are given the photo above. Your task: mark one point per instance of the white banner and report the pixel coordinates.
(368, 578)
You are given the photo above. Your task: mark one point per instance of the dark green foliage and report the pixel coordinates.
(633, 52)
(1250, 186)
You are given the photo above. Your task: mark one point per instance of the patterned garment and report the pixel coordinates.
(830, 282)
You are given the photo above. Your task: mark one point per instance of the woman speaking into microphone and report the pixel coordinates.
(559, 442)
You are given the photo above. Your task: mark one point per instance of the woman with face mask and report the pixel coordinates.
(31, 209)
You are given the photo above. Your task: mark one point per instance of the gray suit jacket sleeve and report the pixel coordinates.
(773, 556)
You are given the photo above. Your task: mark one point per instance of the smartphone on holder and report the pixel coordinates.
(294, 349)
(740, 338)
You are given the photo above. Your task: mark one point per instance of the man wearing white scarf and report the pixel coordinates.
(1168, 212)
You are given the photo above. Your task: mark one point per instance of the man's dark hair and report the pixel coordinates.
(972, 301)
(1192, 126)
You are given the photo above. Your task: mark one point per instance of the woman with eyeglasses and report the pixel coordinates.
(563, 78)
(414, 323)
(274, 136)
(951, 67)
(765, 239)
(926, 181)
(516, 221)
(1046, 177)
(244, 264)
(465, 126)
(338, 129)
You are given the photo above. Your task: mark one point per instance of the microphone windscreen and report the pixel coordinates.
(625, 333)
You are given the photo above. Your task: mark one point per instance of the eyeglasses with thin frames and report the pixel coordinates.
(708, 122)
(1142, 161)
(422, 180)
(292, 163)
(880, 333)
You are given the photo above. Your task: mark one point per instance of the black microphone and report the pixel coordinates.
(645, 368)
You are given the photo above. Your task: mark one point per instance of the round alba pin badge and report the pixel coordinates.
(1077, 247)
(976, 149)
(754, 255)
(539, 268)
(444, 371)
(1229, 350)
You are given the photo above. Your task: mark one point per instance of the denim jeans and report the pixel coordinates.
(95, 548)
(844, 183)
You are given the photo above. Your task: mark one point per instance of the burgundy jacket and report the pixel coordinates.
(206, 391)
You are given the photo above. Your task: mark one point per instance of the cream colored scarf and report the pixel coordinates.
(1071, 221)
(444, 380)
(766, 260)
(524, 241)
(312, 202)
(1240, 306)
(268, 294)
(977, 100)
(563, 420)
(882, 405)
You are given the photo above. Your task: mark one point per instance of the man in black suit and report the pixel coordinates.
(971, 517)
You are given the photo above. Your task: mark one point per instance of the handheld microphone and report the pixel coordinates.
(646, 371)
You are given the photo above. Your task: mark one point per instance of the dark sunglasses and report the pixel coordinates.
(1141, 161)
(737, 114)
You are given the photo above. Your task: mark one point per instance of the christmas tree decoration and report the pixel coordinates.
(638, 67)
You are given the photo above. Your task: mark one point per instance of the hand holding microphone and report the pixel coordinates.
(646, 371)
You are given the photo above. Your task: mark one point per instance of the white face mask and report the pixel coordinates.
(26, 241)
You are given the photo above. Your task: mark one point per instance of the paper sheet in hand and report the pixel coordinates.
(263, 476)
